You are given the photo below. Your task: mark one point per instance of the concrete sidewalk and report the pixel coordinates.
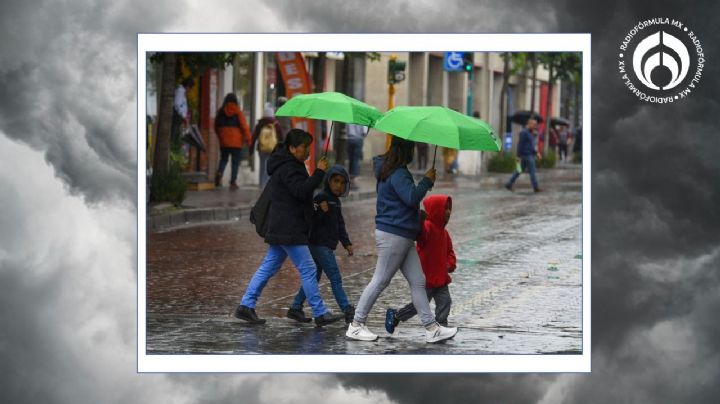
(222, 204)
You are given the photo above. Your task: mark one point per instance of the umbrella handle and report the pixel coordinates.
(434, 155)
(327, 139)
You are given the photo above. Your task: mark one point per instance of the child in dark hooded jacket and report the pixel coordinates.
(328, 227)
(434, 246)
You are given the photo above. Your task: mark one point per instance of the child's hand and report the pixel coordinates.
(350, 250)
(324, 206)
(423, 215)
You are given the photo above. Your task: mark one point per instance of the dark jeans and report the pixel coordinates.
(563, 151)
(225, 153)
(442, 305)
(355, 148)
(527, 162)
(325, 261)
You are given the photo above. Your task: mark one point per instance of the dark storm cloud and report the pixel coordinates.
(413, 16)
(67, 87)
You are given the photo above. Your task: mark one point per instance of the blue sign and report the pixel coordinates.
(453, 62)
(508, 141)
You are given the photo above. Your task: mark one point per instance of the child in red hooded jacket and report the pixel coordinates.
(434, 246)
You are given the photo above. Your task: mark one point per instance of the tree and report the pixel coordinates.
(197, 63)
(560, 66)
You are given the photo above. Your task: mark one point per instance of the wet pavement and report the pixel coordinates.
(517, 288)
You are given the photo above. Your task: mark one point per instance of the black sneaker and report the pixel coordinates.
(349, 314)
(248, 314)
(508, 187)
(298, 315)
(327, 318)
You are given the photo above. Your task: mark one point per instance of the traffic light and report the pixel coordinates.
(396, 71)
(468, 61)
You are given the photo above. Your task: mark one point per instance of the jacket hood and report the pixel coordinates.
(279, 157)
(335, 170)
(231, 109)
(435, 208)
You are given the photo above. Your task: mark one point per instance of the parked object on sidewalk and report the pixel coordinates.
(192, 136)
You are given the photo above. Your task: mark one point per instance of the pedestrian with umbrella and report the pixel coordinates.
(527, 153)
(397, 223)
(291, 206)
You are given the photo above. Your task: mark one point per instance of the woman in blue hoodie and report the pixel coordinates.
(291, 193)
(397, 224)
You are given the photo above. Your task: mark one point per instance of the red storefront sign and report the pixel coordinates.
(295, 77)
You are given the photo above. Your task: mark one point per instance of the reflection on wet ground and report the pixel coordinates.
(517, 289)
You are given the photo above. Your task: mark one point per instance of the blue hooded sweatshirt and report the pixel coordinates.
(398, 201)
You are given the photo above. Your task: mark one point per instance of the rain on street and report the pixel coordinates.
(517, 288)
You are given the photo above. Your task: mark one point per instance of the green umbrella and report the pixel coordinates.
(330, 106)
(439, 126)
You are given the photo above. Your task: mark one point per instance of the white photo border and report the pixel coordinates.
(460, 363)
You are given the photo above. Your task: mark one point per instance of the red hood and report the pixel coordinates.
(435, 208)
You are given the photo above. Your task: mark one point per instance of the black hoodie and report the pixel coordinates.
(291, 196)
(329, 227)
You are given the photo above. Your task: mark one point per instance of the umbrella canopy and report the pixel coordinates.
(557, 121)
(439, 126)
(330, 106)
(521, 117)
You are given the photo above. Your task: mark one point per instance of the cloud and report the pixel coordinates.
(67, 244)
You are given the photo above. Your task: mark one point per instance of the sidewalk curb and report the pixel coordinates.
(184, 217)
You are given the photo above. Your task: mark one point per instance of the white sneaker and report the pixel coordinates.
(360, 333)
(440, 333)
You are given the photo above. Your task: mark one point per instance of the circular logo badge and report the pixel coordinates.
(661, 60)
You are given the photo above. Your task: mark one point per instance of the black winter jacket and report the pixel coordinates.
(291, 193)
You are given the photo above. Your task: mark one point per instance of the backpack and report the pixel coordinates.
(260, 212)
(267, 140)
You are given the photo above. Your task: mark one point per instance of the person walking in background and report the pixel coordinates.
(434, 246)
(233, 131)
(327, 229)
(266, 135)
(356, 137)
(291, 207)
(563, 139)
(527, 152)
(397, 224)
(554, 138)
